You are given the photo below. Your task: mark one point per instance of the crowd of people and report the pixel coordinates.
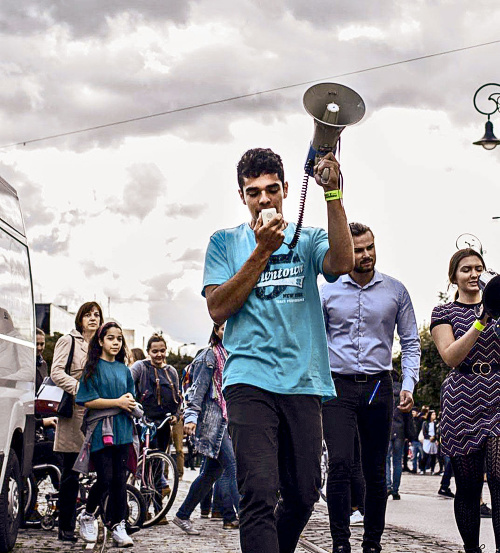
(294, 366)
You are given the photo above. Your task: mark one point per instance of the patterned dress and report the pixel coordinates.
(470, 403)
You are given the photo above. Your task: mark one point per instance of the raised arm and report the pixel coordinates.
(339, 259)
(452, 351)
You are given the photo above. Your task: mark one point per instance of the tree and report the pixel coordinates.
(433, 371)
(50, 344)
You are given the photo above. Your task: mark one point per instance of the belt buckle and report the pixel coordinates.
(481, 368)
(360, 377)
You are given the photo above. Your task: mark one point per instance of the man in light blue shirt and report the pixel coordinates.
(362, 311)
(277, 370)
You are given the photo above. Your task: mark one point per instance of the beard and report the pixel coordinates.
(364, 267)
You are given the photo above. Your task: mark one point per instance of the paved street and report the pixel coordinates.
(421, 522)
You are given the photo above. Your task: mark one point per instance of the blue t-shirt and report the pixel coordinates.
(277, 340)
(110, 381)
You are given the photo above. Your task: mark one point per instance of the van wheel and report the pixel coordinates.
(10, 504)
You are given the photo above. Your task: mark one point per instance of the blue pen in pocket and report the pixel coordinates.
(374, 393)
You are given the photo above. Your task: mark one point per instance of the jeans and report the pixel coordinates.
(111, 467)
(211, 471)
(349, 413)
(418, 454)
(395, 454)
(447, 474)
(278, 443)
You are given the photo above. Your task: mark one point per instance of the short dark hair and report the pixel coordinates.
(357, 229)
(257, 162)
(155, 338)
(84, 309)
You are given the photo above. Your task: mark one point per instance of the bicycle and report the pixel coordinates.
(156, 477)
(41, 496)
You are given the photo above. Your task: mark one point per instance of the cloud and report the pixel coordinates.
(141, 193)
(192, 255)
(50, 243)
(90, 268)
(192, 211)
(35, 210)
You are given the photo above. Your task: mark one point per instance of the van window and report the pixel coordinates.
(16, 301)
(9, 207)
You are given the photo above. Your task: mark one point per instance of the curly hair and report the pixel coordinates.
(95, 350)
(257, 162)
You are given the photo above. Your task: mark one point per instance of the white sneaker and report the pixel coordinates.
(356, 518)
(120, 536)
(88, 527)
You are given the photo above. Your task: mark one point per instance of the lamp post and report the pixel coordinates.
(182, 345)
(489, 140)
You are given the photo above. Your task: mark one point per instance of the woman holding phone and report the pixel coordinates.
(470, 401)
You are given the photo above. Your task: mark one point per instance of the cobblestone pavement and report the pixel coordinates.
(168, 538)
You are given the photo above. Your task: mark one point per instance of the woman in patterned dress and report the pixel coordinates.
(470, 396)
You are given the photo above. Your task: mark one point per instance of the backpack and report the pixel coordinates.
(157, 392)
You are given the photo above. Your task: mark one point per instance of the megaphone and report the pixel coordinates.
(489, 283)
(333, 107)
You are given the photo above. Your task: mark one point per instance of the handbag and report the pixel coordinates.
(53, 401)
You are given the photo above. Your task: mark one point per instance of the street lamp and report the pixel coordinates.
(181, 346)
(489, 140)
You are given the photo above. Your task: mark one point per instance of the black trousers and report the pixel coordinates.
(277, 444)
(111, 467)
(343, 417)
(68, 493)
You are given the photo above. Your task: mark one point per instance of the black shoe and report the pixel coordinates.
(446, 492)
(371, 550)
(67, 535)
(485, 511)
(396, 496)
(342, 549)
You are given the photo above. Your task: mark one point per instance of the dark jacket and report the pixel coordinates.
(398, 419)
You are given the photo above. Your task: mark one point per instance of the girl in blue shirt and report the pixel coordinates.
(107, 385)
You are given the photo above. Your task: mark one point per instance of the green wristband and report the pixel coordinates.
(333, 195)
(478, 325)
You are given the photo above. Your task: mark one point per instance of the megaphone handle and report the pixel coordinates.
(325, 175)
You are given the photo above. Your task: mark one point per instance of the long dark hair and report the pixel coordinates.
(214, 337)
(95, 350)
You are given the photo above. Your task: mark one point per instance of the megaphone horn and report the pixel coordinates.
(489, 283)
(334, 107)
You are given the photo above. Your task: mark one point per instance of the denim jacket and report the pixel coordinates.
(202, 409)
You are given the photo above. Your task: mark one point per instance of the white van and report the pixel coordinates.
(17, 365)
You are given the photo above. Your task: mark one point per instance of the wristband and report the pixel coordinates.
(333, 195)
(478, 325)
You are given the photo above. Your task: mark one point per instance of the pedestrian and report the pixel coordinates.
(107, 391)
(430, 445)
(414, 427)
(470, 413)
(362, 311)
(394, 460)
(157, 389)
(277, 369)
(69, 437)
(205, 418)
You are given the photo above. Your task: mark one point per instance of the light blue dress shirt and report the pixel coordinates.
(360, 325)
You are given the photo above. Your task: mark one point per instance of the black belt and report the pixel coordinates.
(361, 377)
(479, 368)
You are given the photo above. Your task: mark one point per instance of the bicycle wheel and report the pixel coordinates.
(136, 507)
(158, 486)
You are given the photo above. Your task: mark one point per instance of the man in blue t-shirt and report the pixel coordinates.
(277, 369)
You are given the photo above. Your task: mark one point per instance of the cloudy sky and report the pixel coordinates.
(123, 213)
